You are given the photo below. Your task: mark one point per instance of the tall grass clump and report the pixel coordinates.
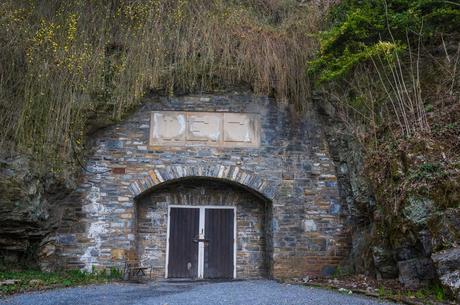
(65, 64)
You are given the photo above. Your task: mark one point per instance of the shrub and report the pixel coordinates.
(361, 30)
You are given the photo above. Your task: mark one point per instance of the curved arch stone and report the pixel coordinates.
(232, 174)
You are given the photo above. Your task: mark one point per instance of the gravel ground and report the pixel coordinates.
(258, 292)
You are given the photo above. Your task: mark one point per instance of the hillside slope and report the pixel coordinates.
(384, 75)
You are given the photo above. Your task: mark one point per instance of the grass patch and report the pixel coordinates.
(29, 280)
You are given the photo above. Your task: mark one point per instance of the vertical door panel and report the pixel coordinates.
(183, 251)
(218, 252)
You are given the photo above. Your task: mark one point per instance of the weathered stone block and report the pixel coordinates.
(448, 269)
(416, 272)
(309, 225)
(118, 253)
(114, 144)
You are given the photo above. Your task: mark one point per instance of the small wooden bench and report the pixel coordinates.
(133, 270)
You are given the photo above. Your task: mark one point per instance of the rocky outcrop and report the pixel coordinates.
(355, 190)
(28, 208)
(399, 245)
(444, 229)
(384, 262)
(448, 269)
(416, 272)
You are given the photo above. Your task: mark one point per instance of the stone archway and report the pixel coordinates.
(252, 220)
(233, 174)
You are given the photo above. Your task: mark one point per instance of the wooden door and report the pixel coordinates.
(183, 248)
(218, 250)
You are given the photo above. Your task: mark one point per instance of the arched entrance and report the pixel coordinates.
(199, 227)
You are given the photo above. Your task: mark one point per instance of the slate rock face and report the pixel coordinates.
(356, 192)
(28, 210)
(416, 272)
(384, 262)
(448, 268)
(444, 227)
(401, 247)
(418, 210)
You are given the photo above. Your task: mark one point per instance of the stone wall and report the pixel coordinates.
(291, 170)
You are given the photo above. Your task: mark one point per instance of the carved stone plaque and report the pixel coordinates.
(204, 128)
(167, 128)
(239, 128)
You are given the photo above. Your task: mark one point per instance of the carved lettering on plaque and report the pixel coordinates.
(239, 128)
(168, 128)
(175, 128)
(204, 127)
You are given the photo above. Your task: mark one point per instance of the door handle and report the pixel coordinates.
(197, 240)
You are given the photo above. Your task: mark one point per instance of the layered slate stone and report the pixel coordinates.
(290, 170)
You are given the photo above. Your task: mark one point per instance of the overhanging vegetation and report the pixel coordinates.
(65, 63)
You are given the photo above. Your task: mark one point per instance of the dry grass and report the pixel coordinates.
(65, 62)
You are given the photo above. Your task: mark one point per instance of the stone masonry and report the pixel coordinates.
(289, 220)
